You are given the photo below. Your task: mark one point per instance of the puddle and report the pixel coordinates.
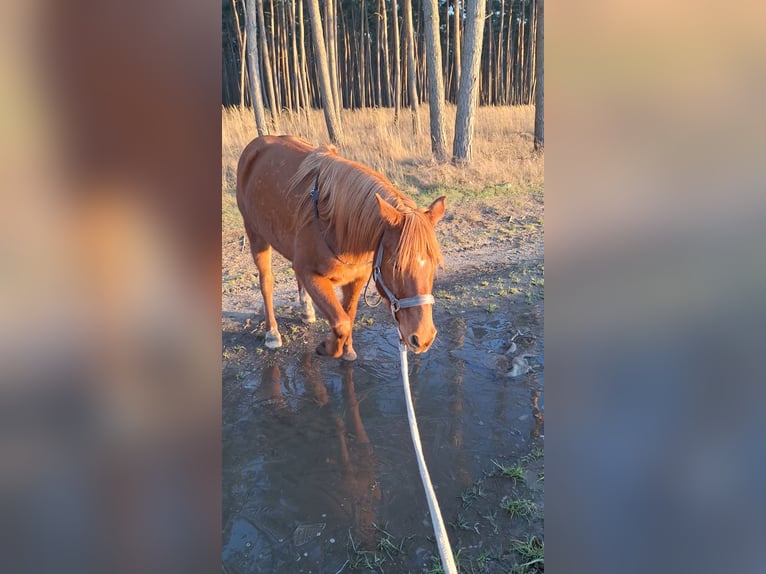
(317, 450)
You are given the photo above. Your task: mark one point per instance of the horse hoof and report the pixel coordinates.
(308, 319)
(273, 341)
(349, 355)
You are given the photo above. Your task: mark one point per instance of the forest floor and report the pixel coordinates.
(492, 239)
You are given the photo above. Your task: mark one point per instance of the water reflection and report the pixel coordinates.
(317, 449)
(303, 459)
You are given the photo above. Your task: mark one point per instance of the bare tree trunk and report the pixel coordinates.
(397, 61)
(267, 66)
(539, 76)
(488, 87)
(255, 77)
(332, 52)
(499, 64)
(367, 42)
(457, 22)
(412, 79)
(300, 103)
(508, 60)
(243, 72)
(347, 67)
(284, 62)
(386, 57)
(343, 78)
(241, 44)
(529, 75)
(435, 79)
(275, 57)
(447, 61)
(378, 64)
(468, 94)
(363, 57)
(325, 87)
(304, 62)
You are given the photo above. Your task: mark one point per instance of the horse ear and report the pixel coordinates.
(388, 212)
(436, 210)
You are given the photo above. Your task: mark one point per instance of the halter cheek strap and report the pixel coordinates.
(397, 304)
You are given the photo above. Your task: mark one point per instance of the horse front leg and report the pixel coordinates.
(307, 308)
(322, 291)
(351, 294)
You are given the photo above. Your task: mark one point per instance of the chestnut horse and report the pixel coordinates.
(333, 219)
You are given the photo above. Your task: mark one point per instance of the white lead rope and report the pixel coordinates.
(445, 550)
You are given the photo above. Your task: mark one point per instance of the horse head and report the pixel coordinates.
(405, 265)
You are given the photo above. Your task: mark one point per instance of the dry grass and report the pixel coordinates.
(503, 153)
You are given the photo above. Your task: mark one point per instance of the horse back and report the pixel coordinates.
(268, 205)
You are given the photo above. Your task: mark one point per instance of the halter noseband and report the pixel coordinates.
(397, 304)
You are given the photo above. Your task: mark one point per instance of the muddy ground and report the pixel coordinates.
(489, 313)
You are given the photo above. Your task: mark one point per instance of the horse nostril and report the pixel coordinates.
(414, 341)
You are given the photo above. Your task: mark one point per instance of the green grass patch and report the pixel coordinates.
(521, 507)
(373, 559)
(532, 554)
(515, 472)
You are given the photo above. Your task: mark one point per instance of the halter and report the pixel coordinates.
(397, 304)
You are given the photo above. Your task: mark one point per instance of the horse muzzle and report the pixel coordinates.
(420, 341)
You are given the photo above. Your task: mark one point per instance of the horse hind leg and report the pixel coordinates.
(308, 315)
(262, 256)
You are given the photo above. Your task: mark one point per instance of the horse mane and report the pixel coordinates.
(350, 211)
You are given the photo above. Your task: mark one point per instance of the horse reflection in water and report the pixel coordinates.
(340, 464)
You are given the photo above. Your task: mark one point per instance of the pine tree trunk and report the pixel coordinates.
(304, 62)
(488, 87)
(539, 76)
(499, 63)
(412, 86)
(284, 61)
(508, 60)
(468, 93)
(325, 87)
(275, 58)
(378, 63)
(299, 102)
(332, 52)
(435, 79)
(386, 57)
(253, 64)
(447, 61)
(267, 69)
(457, 22)
(241, 40)
(529, 74)
(397, 61)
